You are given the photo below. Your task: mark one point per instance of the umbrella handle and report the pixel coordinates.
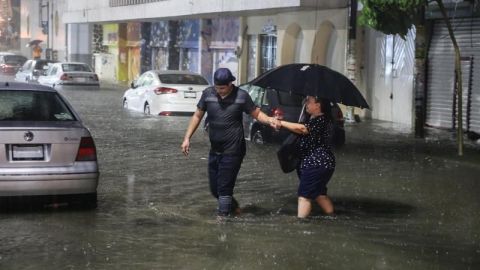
(300, 118)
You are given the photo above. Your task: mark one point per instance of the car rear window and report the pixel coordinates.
(287, 99)
(182, 79)
(14, 59)
(75, 67)
(33, 106)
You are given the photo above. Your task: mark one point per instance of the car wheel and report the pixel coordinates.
(146, 109)
(257, 137)
(125, 103)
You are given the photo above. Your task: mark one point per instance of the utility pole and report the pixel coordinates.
(45, 24)
(351, 54)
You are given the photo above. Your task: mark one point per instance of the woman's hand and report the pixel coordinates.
(274, 123)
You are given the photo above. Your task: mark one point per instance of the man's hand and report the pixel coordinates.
(274, 123)
(186, 147)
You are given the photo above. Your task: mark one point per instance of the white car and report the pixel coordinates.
(70, 73)
(169, 92)
(32, 69)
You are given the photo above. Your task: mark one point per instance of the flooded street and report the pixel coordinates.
(401, 202)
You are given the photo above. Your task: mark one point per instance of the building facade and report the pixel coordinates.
(248, 37)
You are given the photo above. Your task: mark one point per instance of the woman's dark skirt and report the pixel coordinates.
(313, 182)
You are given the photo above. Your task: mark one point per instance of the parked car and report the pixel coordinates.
(44, 147)
(282, 105)
(169, 92)
(32, 69)
(69, 73)
(10, 63)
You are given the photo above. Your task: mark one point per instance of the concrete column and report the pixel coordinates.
(242, 51)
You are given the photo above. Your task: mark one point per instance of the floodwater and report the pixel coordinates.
(401, 203)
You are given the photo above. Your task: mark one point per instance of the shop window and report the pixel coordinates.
(160, 58)
(189, 59)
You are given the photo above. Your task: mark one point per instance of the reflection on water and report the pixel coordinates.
(401, 203)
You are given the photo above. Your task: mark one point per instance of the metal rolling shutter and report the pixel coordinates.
(440, 89)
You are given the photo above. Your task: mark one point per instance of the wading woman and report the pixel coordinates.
(317, 161)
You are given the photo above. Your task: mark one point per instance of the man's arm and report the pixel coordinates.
(262, 117)
(277, 124)
(192, 127)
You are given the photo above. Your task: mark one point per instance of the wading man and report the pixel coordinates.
(225, 103)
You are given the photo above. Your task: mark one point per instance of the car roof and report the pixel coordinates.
(20, 86)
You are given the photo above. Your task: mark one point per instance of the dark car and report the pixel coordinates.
(10, 63)
(32, 69)
(282, 105)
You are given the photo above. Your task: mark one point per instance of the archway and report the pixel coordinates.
(321, 43)
(289, 46)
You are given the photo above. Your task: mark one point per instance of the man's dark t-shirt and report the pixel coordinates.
(225, 127)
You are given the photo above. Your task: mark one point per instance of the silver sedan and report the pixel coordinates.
(44, 147)
(66, 74)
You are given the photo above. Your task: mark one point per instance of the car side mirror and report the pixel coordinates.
(133, 84)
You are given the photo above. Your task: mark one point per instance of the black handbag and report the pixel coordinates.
(288, 155)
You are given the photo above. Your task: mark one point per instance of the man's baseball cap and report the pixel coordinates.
(223, 76)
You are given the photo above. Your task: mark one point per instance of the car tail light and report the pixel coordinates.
(64, 77)
(86, 150)
(165, 90)
(165, 113)
(277, 113)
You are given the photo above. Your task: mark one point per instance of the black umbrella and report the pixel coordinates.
(312, 80)
(34, 42)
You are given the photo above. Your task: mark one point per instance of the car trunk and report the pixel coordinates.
(80, 77)
(186, 94)
(37, 146)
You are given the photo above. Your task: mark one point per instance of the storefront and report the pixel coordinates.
(441, 107)
(223, 45)
(159, 41)
(133, 46)
(188, 40)
(106, 54)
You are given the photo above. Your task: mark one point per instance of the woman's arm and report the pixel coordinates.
(293, 127)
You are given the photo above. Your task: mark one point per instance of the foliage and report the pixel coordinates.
(390, 16)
